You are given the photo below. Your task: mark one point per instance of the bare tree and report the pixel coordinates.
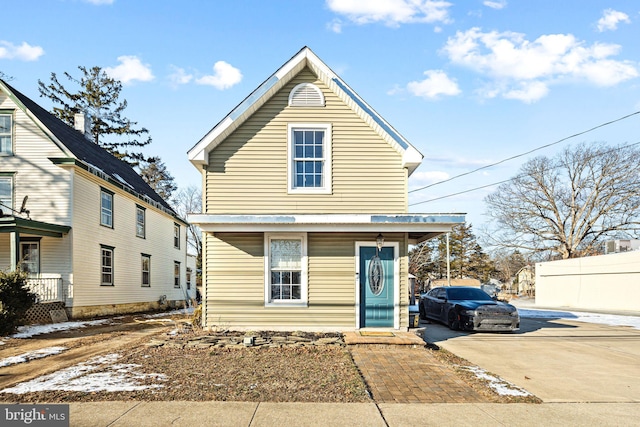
(189, 200)
(569, 204)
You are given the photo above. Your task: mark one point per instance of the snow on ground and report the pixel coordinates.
(25, 357)
(181, 311)
(600, 318)
(32, 330)
(99, 373)
(500, 386)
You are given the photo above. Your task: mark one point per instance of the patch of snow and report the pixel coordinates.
(25, 357)
(99, 373)
(500, 386)
(599, 318)
(32, 330)
(181, 311)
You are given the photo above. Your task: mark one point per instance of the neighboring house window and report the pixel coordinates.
(6, 134)
(140, 221)
(286, 270)
(106, 208)
(176, 236)
(176, 274)
(306, 95)
(107, 265)
(188, 278)
(6, 193)
(309, 158)
(30, 257)
(146, 270)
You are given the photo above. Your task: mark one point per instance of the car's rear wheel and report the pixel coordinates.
(423, 314)
(453, 321)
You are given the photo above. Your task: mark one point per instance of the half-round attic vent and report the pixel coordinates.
(306, 95)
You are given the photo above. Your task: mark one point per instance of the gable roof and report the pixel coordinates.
(85, 153)
(199, 154)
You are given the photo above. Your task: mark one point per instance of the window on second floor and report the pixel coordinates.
(106, 208)
(140, 221)
(6, 193)
(176, 236)
(6, 133)
(309, 158)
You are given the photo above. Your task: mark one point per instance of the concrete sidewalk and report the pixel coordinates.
(254, 414)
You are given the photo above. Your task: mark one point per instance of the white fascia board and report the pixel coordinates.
(411, 159)
(327, 223)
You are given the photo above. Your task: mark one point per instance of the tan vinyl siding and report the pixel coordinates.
(234, 282)
(247, 172)
(89, 235)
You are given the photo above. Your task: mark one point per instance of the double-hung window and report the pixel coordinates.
(107, 264)
(176, 236)
(140, 221)
(286, 269)
(30, 256)
(6, 133)
(176, 274)
(309, 148)
(106, 208)
(6, 193)
(146, 270)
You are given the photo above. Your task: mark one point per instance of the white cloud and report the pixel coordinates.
(610, 20)
(224, 77)
(528, 92)
(496, 4)
(23, 52)
(436, 84)
(99, 2)
(335, 26)
(392, 12)
(129, 70)
(523, 69)
(420, 179)
(179, 76)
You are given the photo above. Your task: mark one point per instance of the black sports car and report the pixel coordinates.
(468, 308)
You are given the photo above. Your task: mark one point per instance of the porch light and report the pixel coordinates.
(379, 241)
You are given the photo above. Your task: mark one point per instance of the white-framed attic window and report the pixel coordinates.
(306, 95)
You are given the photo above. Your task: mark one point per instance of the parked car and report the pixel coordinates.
(468, 308)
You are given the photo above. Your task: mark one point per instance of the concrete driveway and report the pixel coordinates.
(557, 360)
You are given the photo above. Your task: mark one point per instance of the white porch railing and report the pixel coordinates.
(48, 287)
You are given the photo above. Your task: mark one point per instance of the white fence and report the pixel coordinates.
(605, 282)
(48, 287)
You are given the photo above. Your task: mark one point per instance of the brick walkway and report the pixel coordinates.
(409, 374)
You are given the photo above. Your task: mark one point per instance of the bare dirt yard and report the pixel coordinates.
(150, 360)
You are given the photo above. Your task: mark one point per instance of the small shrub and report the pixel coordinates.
(196, 318)
(15, 300)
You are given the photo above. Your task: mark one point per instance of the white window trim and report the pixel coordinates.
(326, 189)
(143, 234)
(8, 209)
(304, 290)
(11, 134)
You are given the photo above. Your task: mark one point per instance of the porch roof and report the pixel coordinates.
(11, 224)
(420, 227)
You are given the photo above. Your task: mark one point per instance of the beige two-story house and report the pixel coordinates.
(89, 230)
(305, 208)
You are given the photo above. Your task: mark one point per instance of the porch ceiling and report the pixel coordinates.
(12, 224)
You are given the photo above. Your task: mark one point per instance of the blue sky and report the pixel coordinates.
(468, 83)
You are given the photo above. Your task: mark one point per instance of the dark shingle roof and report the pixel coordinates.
(94, 156)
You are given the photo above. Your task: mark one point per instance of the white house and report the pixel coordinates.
(89, 230)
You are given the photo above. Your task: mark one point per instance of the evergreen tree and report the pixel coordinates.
(155, 173)
(97, 96)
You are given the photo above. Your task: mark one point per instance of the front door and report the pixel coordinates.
(376, 287)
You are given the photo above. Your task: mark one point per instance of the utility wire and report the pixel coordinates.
(512, 178)
(524, 154)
